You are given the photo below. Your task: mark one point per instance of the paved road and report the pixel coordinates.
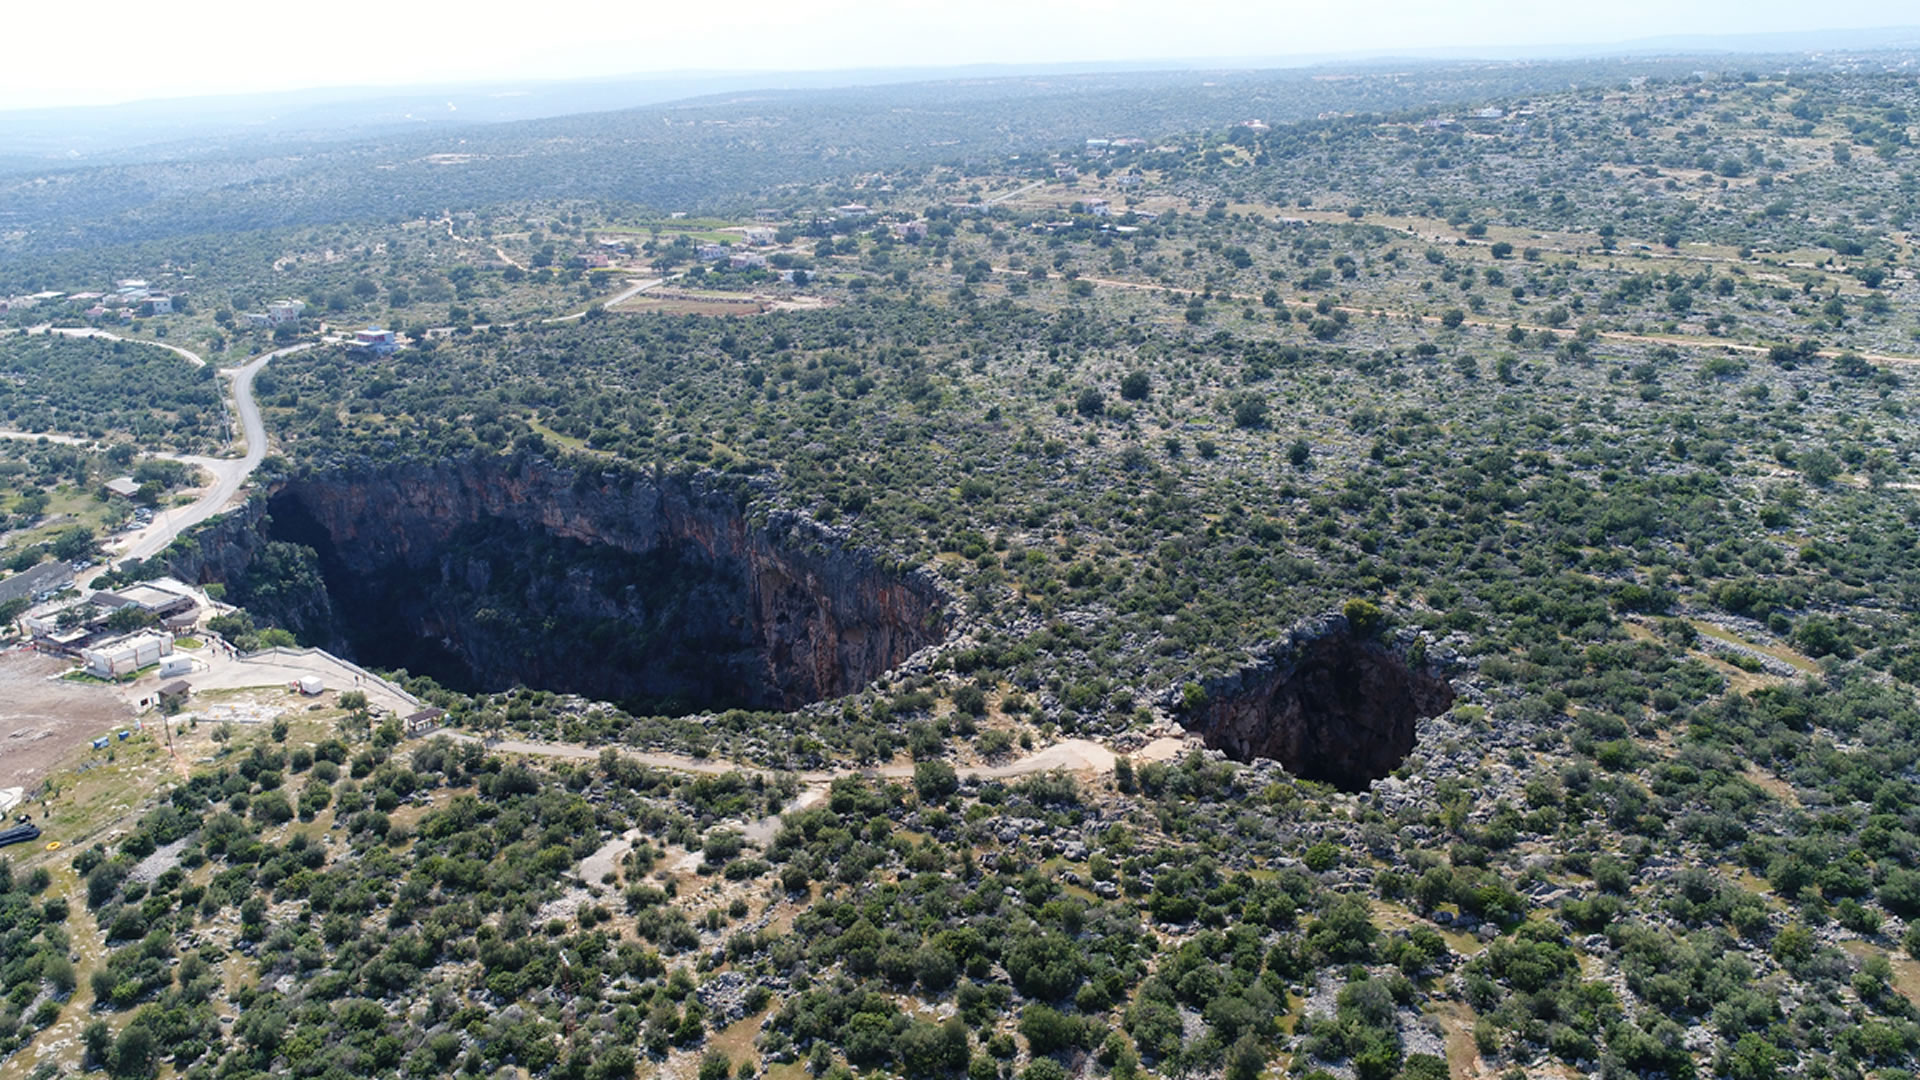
(87, 331)
(229, 474)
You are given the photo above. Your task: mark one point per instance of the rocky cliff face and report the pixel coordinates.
(660, 592)
(1326, 703)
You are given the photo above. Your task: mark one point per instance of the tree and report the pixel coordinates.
(135, 1053)
(1136, 386)
(935, 780)
(1249, 411)
(1048, 1030)
(130, 617)
(73, 543)
(1453, 318)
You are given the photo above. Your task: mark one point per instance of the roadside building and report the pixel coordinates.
(174, 692)
(375, 341)
(154, 600)
(124, 656)
(123, 486)
(422, 722)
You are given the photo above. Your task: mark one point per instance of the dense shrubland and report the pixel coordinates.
(1486, 394)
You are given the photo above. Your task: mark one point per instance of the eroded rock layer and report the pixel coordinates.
(1327, 704)
(654, 591)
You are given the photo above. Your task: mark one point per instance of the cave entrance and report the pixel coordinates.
(649, 593)
(1340, 710)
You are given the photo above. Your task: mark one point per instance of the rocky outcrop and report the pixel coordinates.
(661, 592)
(1325, 702)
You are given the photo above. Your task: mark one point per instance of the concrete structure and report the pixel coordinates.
(746, 260)
(759, 236)
(157, 601)
(175, 692)
(311, 685)
(285, 311)
(158, 305)
(123, 486)
(711, 252)
(910, 230)
(375, 340)
(127, 655)
(852, 210)
(1098, 207)
(175, 666)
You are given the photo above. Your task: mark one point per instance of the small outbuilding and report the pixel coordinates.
(425, 720)
(175, 692)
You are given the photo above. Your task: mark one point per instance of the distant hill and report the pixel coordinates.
(721, 149)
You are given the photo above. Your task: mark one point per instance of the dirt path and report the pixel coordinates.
(1071, 755)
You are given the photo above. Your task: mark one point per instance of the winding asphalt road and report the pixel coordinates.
(229, 474)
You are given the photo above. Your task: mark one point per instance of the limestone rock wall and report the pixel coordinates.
(1327, 704)
(616, 585)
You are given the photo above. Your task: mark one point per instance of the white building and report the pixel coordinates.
(376, 340)
(711, 252)
(285, 311)
(759, 235)
(127, 655)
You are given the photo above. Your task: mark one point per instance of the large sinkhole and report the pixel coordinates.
(1330, 706)
(651, 592)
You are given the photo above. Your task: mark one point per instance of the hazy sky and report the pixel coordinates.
(119, 50)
